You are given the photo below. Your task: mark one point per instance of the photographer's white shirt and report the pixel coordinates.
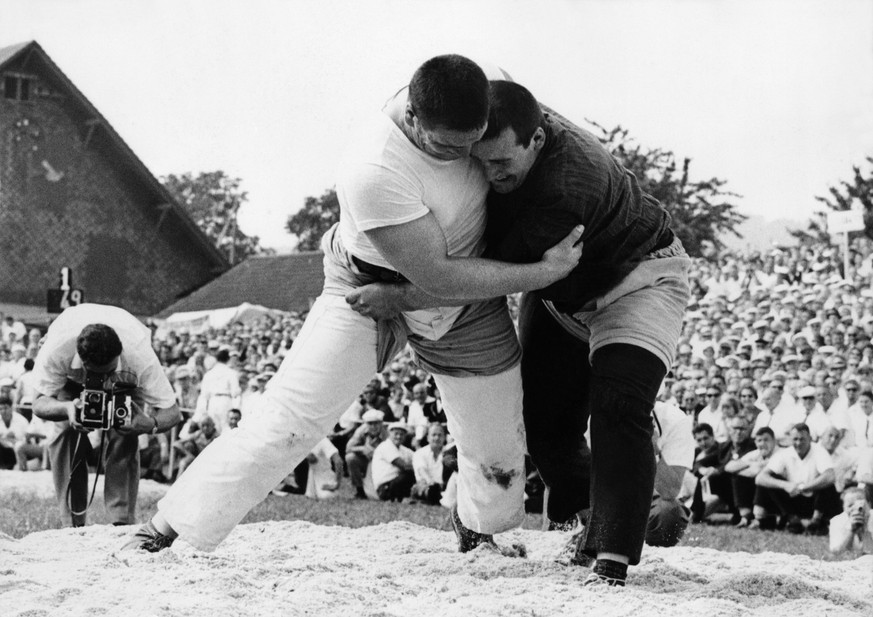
(58, 361)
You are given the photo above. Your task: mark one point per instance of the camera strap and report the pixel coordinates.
(80, 461)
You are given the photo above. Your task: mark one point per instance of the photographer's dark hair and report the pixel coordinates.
(765, 430)
(703, 427)
(98, 344)
(222, 356)
(5, 400)
(451, 92)
(513, 106)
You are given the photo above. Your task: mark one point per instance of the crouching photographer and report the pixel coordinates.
(95, 374)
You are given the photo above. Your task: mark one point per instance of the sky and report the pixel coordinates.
(774, 96)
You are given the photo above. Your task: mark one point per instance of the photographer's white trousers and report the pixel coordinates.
(331, 360)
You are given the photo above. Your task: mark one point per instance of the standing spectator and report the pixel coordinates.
(360, 448)
(427, 463)
(219, 391)
(798, 483)
(393, 476)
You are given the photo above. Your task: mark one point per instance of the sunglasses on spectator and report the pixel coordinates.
(711, 394)
(808, 398)
(851, 389)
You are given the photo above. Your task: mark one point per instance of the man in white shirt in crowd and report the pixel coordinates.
(860, 421)
(674, 451)
(798, 483)
(219, 391)
(420, 413)
(427, 463)
(13, 431)
(812, 414)
(393, 476)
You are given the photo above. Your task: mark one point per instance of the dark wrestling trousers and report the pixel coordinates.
(617, 391)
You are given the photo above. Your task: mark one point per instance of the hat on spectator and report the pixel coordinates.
(738, 325)
(761, 323)
(827, 350)
(373, 415)
(745, 365)
(398, 426)
(819, 266)
(7, 382)
(815, 321)
(790, 358)
(182, 371)
(837, 361)
(806, 392)
(797, 337)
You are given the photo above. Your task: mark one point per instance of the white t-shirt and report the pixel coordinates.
(675, 439)
(321, 472)
(385, 180)
(383, 470)
(788, 464)
(58, 361)
(428, 470)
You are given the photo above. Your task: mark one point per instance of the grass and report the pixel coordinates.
(24, 513)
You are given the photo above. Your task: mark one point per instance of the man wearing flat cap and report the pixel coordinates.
(361, 446)
(393, 475)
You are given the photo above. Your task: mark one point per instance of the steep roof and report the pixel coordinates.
(30, 54)
(285, 282)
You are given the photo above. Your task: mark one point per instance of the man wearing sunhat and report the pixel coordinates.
(361, 447)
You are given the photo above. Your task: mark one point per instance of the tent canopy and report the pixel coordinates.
(196, 322)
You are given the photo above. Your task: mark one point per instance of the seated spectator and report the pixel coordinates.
(325, 471)
(154, 454)
(853, 528)
(748, 467)
(717, 486)
(33, 447)
(13, 430)
(427, 463)
(421, 411)
(845, 459)
(706, 462)
(749, 406)
(372, 398)
(798, 483)
(393, 476)
(812, 413)
(742, 492)
(188, 449)
(360, 448)
(713, 413)
(860, 421)
(674, 451)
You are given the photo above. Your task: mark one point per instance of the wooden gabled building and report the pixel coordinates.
(73, 194)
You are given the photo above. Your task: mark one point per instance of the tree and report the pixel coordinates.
(315, 218)
(213, 200)
(701, 211)
(857, 192)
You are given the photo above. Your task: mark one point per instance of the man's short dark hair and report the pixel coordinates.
(765, 430)
(703, 427)
(5, 400)
(98, 344)
(451, 92)
(223, 356)
(513, 106)
(801, 427)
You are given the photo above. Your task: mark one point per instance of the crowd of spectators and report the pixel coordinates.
(775, 366)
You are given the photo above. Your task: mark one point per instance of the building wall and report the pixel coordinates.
(65, 202)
